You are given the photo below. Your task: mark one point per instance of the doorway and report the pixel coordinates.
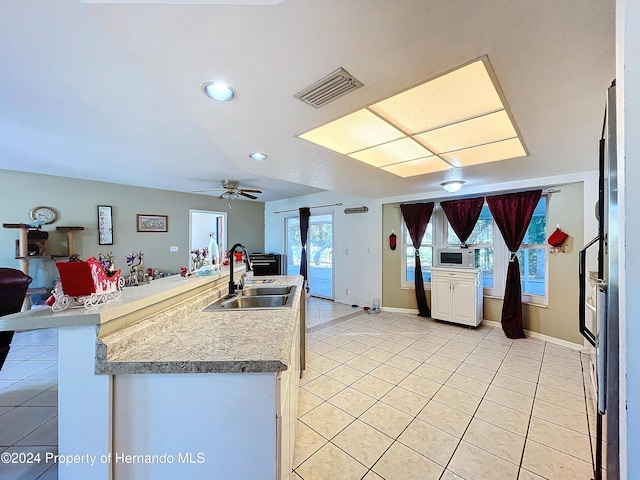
(319, 252)
(205, 225)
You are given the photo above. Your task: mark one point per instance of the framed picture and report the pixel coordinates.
(152, 223)
(105, 225)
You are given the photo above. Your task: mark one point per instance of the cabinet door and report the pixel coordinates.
(441, 298)
(464, 301)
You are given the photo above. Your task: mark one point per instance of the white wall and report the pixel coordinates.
(628, 118)
(359, 270)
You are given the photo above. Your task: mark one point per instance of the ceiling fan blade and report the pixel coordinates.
(250, 190)
(244, 194)
(209, 190)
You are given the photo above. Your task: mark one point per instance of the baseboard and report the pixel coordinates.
(491, 323)
(540, 336)
(400, 310)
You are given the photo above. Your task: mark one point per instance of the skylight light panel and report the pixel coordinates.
(357, 131)
(420, 166)
(392, 152)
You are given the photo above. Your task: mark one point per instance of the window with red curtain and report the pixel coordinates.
(416, 217)
(463, 215)
(512, 213)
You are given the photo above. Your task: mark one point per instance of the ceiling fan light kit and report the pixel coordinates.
(232, 191)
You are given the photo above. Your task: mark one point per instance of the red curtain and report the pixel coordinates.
(305, 213)
(417, 216)
(463, 215)
(512, 213)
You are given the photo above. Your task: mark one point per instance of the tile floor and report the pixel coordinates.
(320, 311)
(29, 404)
(390, 396)
(396, 396)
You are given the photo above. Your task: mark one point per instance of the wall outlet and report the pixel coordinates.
(347, 292)
(173, 248)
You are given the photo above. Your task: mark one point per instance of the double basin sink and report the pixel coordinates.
(256, 298)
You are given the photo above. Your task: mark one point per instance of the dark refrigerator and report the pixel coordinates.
(603, 332)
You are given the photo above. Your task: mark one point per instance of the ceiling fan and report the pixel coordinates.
(231, 190)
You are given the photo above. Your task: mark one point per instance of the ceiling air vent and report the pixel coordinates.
(328, 88)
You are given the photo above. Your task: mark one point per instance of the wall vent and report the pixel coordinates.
(327, 89)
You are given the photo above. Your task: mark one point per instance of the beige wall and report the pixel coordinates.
(392, 294)
(77, 201)
(560, 318)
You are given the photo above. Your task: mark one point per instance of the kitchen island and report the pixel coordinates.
(151, 386)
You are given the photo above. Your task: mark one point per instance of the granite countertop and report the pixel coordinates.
(185, 339)
(133, 300)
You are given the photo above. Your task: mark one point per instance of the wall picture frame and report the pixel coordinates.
(105, 225)
(152, 223)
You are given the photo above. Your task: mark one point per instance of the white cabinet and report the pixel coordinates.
(456, 295)
(287, 414)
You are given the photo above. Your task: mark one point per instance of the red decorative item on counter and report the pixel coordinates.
(85, 284)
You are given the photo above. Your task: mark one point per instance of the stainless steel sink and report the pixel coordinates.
(259, 291)
(256, 299)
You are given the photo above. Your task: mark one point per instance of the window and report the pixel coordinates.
(426, 255)
(482, 240)
(532, 254)
(492, 255)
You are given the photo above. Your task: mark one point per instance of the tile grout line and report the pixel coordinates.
(396, 439)
(388, 334)
(472, 416)
(535, 392)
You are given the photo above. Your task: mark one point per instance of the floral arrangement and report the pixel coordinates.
(199, 257)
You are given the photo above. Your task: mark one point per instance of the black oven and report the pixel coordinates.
(268, 264)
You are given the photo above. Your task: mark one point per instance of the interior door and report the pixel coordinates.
(319, 252)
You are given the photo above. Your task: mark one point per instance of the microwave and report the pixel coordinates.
(456, 257)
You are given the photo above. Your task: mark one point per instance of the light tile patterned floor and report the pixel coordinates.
(320, 311)
(390, 396)
(397, 396)
(29, 404)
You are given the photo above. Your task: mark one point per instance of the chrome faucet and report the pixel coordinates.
(247, 261)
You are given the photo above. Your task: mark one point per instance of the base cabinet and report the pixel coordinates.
(456, 295)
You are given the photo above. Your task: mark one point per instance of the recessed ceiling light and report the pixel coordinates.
(258, 156)
(219, 91)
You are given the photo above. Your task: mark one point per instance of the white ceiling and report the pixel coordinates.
(111, 91)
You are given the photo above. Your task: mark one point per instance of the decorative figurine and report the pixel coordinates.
(108, 261)
(137, 269)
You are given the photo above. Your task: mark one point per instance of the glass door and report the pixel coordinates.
(319, 252)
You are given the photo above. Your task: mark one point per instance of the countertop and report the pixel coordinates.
(186, 339)
(133, 299)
